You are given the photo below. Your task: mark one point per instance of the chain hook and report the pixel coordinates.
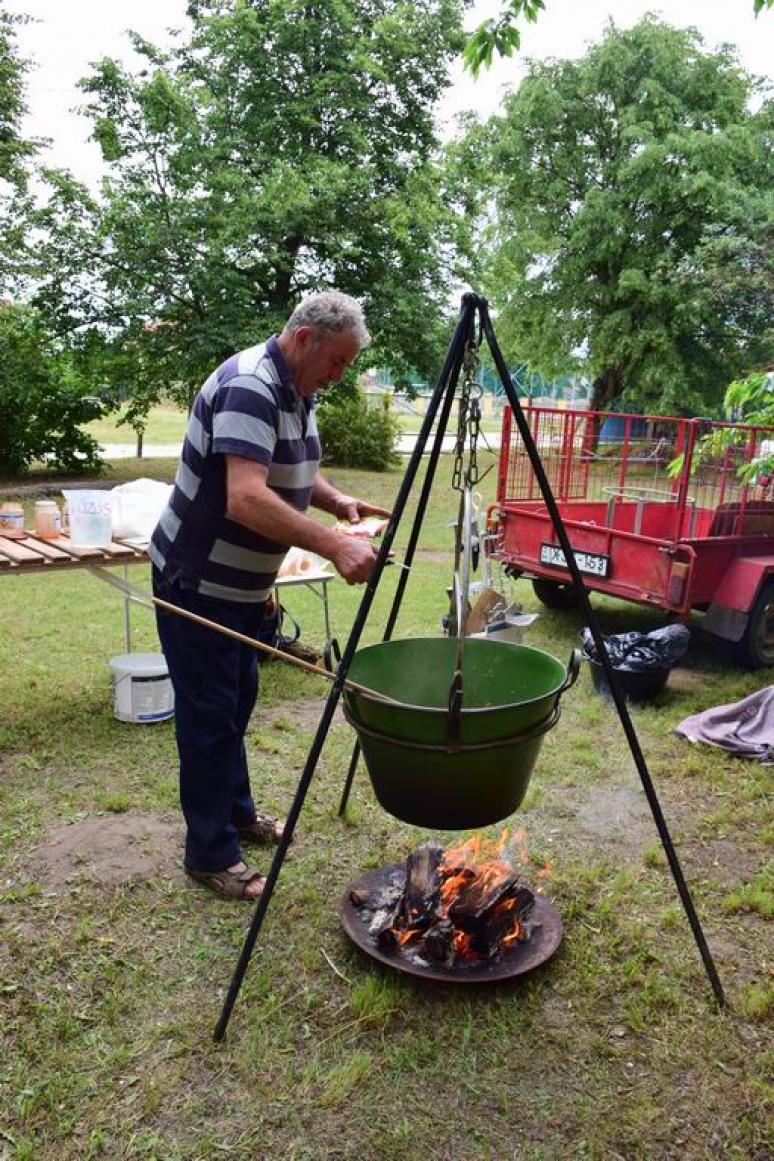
(469, 421)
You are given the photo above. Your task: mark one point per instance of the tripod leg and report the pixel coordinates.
(454, 357)
(610, 673)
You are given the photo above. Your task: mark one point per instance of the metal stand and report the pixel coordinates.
(473, 307)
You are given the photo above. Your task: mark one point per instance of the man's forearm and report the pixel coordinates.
(269, 515)
(325, 496)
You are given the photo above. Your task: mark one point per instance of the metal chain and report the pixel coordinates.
(468, 423)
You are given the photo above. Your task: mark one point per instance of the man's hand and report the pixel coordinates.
(351, 509)
(353, 559)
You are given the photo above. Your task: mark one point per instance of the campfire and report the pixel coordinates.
(467, 905)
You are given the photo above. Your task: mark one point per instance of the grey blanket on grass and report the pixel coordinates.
(745, 727)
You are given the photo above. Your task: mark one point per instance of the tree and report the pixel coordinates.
(42, 400)
(634, 219)
(15, 154)
(501, 34)
(284, 147)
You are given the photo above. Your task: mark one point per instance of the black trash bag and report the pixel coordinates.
(641, 652)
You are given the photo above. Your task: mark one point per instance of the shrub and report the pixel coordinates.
(356, 436)
(42, 400)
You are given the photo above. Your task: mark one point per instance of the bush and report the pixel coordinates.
(42, 400)
(355, 436)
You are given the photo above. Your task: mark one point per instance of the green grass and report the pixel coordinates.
(166, 425)
(111, 984)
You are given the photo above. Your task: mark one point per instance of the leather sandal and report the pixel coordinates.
(264, 829)
(229, 884)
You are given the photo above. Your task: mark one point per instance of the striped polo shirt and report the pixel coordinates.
(249, 407)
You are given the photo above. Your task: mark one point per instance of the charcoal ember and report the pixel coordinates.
(386, 937)
(389, 893)
(383, 923)
(438, 943)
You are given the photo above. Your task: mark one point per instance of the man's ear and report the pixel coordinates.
(303, 337)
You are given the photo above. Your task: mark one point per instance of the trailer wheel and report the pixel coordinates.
(556, 594)
(757, 645)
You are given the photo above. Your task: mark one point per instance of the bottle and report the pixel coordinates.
(48, 520)
(12, 520)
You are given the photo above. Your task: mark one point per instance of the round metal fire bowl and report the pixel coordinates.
(516, 961)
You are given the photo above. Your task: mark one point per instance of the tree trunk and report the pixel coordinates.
(605, 389)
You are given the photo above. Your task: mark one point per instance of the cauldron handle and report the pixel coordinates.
(455, 707)
(573, 669)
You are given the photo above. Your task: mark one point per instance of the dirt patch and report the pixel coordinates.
(111, 849)
(614, 819)
(304, 714)
(616, 813)
(687, 680)
(434, 555)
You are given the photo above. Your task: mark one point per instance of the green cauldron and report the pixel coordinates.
(426, 774)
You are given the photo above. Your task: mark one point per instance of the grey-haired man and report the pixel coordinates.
(249, 469)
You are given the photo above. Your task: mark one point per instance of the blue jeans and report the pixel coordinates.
(215, 680)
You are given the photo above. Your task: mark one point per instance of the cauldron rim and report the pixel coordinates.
(468, 710)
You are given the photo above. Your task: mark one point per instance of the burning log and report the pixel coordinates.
(451, 908)
(478, 899)
(385, 907)
(422, 892)
(505, 924)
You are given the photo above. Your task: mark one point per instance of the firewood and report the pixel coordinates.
(475, 900)
(423, 885)
(438, 942)
(498, 923)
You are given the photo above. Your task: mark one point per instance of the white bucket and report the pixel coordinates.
(90, 513)
(142, 690)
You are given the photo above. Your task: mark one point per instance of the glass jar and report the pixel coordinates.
(12, 520)
(48, 520)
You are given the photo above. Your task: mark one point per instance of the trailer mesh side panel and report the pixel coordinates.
(666, 477)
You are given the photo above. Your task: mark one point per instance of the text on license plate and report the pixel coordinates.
(592, 563)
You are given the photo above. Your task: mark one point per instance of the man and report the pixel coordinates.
(248, 470)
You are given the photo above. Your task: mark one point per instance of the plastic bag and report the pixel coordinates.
(640, 652)
(137, 507)
(299, 562)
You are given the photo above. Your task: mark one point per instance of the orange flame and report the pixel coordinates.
(475, 868)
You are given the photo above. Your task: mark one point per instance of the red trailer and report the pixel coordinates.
(656, 513)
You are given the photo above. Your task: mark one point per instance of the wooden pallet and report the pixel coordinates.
(31, 553)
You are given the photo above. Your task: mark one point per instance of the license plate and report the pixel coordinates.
(592, 563)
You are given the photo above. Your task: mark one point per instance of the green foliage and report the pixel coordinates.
(749, 400)
(500, 35)
(354, 435)
(274, 152)
(15, 153)
(42, 400)
(634, 219)
(14, 150)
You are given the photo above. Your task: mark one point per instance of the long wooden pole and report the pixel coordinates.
(148, 599)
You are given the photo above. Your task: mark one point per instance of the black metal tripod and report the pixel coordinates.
(473, 309)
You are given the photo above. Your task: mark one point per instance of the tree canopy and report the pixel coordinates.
(16, 152)
(283, 147)
(634, 219)
(500, 34)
